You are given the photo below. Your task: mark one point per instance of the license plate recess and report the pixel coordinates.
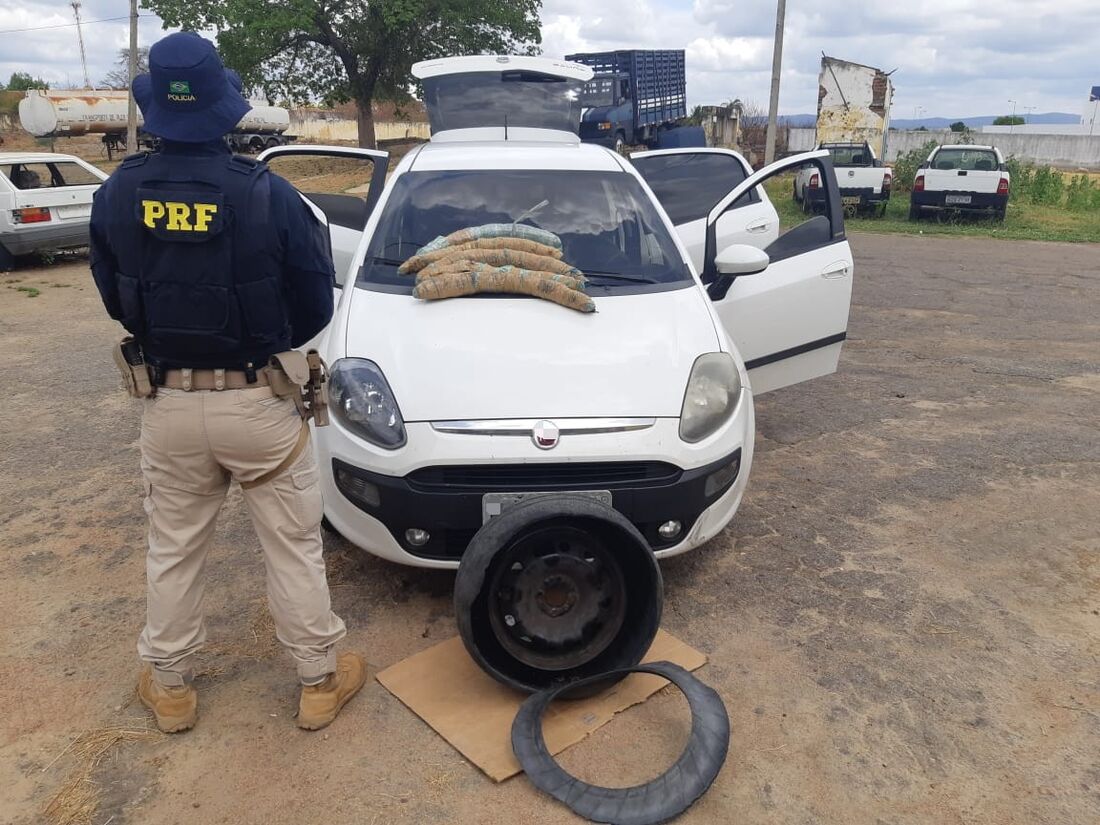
(493, 504)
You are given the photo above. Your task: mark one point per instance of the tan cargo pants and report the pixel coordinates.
(192, 444)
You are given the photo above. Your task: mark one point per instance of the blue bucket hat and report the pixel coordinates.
(188, 94)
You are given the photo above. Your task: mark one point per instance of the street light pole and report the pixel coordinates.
(777, 68)
(131, 104)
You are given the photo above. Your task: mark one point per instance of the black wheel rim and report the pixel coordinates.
(557, 597)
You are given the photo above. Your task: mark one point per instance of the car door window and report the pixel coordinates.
(54, 174)
(337, 185)
(804, 225)
(343, 183)
(689, 184)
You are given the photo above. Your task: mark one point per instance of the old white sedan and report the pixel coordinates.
(45, 202)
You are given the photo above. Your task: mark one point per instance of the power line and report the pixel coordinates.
(70, 25)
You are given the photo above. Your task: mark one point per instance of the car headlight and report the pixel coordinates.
(363, 402)
(713, 391)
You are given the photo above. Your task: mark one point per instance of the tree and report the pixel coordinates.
(1009, 120)
(119, 76)
(21, 81)
(958, 126)
(337, 50)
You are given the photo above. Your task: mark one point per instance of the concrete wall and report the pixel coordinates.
(1063, 151)
(312, 126)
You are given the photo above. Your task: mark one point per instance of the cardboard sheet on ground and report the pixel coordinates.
(444, 687)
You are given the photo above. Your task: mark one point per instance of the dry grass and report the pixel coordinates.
(76, 801)
(259, 642)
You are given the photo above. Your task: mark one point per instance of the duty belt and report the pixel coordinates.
(213, 379)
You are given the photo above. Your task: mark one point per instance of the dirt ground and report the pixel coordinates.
(903, 619)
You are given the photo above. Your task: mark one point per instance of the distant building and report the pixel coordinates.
(1089, 125)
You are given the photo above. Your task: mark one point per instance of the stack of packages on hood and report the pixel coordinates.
(498, 257)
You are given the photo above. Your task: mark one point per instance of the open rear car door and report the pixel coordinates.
(342, 184)
(786, 309)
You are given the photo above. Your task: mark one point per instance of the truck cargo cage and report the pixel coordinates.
(653, 81)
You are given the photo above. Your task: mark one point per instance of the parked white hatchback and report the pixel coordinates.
(446, 413)
(45, 202)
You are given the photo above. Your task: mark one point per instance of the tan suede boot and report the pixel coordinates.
(175, 708)
(320, 703)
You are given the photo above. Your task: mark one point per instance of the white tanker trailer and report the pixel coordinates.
(46, 113)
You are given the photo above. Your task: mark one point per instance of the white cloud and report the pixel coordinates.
(54, 53)
(954, 57)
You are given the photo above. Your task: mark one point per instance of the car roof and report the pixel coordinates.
(33, 157)
(514, 154)
(966, 146)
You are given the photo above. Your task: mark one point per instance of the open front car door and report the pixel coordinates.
(689, 182)
(785, 306)
(342, 184)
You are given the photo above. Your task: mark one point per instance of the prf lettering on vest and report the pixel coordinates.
(174, 216)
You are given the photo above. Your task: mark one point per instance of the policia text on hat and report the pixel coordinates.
(217, 268)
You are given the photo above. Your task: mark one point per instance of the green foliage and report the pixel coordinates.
(338, 50)
(959, 126)
(1082, 194)
(1009, 120)
(1048, 187)
(21, 81)
(907, 163)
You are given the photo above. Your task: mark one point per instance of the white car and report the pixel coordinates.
(446, 412)
(45, 202)
(964, 177)
(865, 182)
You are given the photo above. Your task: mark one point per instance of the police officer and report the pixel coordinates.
(213, 264)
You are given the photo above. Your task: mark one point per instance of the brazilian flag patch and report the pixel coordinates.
(179, 87)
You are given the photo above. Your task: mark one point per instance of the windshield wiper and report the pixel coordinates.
(615, 276)
(382, 260)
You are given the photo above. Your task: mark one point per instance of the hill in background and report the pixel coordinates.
(933, 123)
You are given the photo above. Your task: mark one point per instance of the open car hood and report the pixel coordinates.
(490, 357)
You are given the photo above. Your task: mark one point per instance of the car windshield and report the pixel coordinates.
(599, 91)
(973, 160)
(609, 228)
(850, 156)
(48, 175)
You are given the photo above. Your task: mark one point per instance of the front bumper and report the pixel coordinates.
(441, 487)
(979, 201)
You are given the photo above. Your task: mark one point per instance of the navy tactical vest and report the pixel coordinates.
(199, 272)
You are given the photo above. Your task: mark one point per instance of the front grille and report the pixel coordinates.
(535, 477)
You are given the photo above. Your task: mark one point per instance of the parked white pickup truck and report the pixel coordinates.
(863, 179)
(970, 178)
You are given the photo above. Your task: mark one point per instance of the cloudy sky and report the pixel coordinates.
(953, 57)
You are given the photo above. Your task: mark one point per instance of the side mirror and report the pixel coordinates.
(741, 259)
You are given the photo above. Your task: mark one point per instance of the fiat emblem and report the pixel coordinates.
(545, 434)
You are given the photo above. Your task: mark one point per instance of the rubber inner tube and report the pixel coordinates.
(558, 588)
(658, 800)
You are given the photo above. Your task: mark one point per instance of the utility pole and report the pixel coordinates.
(131, 104)
(777, 68)
(80, 37)
(1012, 123)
